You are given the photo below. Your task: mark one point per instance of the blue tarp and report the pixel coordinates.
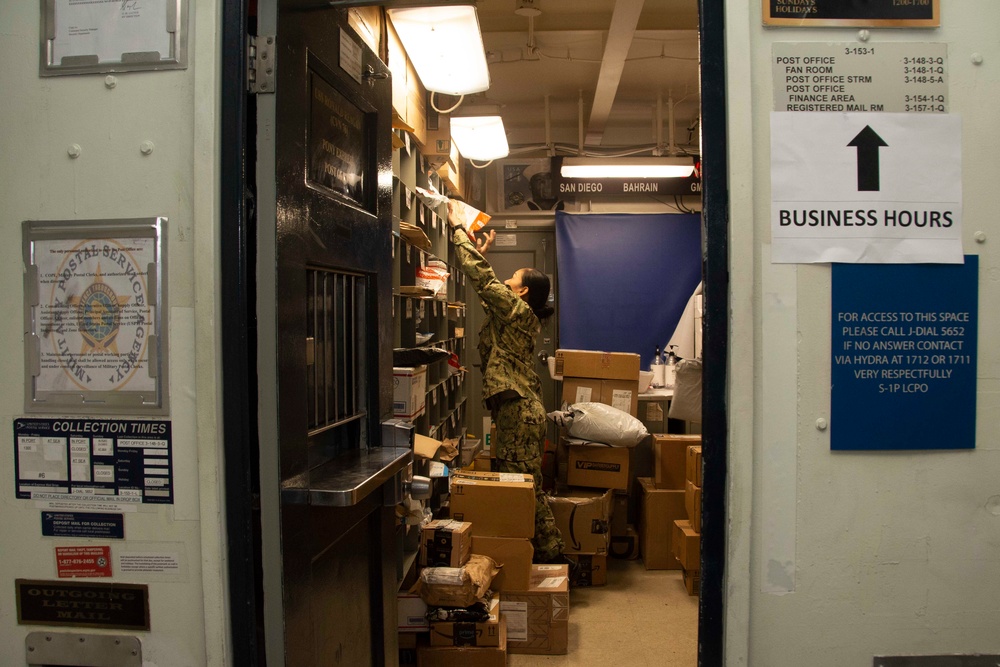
(624, 279)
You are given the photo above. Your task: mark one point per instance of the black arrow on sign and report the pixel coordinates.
(867, 143)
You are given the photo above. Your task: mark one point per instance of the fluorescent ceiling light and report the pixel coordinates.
(480, 137)
(627, 167)
(445, 46)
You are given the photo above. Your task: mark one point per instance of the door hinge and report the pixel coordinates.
(261, 63)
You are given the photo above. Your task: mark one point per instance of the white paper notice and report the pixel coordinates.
(866, 188)
(110, 28)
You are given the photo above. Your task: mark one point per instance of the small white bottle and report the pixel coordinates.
(658, 370)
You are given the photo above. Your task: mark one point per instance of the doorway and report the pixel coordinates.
(238, 321)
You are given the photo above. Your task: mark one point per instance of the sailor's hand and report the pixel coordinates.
(482, 245)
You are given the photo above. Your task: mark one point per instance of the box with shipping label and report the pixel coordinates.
(625, 547)
(462, 633)
(410, 612)
(598, 466)
(538, 618)
(498, 504)
(582, 517)
(445, 543)
(466, 656)
(599, 365)
(658, 509)
(653, 413)
(670, 458)
(693, 467)
(592, 570)
(620, 394)
(686, 545)
(692, 505)
(409, 391)
(619, 513)
(513, 555)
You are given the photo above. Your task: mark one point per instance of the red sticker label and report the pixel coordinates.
(83, 562)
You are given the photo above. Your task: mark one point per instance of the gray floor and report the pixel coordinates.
(640, 618)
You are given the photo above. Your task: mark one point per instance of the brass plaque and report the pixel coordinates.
(89, 605)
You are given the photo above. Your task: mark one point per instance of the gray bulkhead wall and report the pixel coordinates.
(109, 119)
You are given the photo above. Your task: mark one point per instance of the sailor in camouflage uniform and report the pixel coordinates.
(511, 388)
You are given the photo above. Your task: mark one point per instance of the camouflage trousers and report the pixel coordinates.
(518, 448)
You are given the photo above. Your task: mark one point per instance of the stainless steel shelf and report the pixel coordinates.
(348, 479)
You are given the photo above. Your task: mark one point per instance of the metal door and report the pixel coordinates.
(513, 250)
(324, 273)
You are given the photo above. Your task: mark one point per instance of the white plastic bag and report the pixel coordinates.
(686, 403)
(598, 422)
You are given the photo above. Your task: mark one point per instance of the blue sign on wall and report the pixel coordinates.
(903, 348)
(83, 524)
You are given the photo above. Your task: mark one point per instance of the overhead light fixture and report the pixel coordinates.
(480, 137)
(445, 46)
(627, 167)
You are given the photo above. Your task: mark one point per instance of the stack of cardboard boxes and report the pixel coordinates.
(492, 514)
(664, 501)
(687, 532)
(592, 505)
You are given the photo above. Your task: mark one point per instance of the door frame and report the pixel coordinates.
(239, 431)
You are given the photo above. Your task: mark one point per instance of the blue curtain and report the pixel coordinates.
(624, 279)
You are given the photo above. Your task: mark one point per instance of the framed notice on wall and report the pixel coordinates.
(90, 36)
(94, 298)
(866, 14)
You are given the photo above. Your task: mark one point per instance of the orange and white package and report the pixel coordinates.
(469, 217)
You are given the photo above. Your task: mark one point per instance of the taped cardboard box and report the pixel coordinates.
(598, 466)
(582, 517)
(466, 656)
(592, 570)
(620, 394)
(538, 619)
(692, 505)
(692, 581)
(410, 613)
(670, 459)
(445, 543)
(658, 510)
(598, 365)
(513, 555)
(462, 633)
(498, 504)
(687, 545)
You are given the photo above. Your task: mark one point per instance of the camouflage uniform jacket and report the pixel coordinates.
(507, 337)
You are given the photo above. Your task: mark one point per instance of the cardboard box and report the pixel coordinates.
(582, 517)
(599, 365)
(409, 391)
(619, 513)
(653, 413)
(692, 505)
(670, 459)
(465, 656)
(410, 610)
(497, 504)
(598, 466)
(445, 543)
(592, 570)
(693, 468)
(626, 547)
(620, 394)
(658, 510)
(692, 581)
(538, 619)
(514, 554)
(687, 545)
(456, 633)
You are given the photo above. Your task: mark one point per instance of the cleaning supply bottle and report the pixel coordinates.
(657, 369)
(670, 368)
